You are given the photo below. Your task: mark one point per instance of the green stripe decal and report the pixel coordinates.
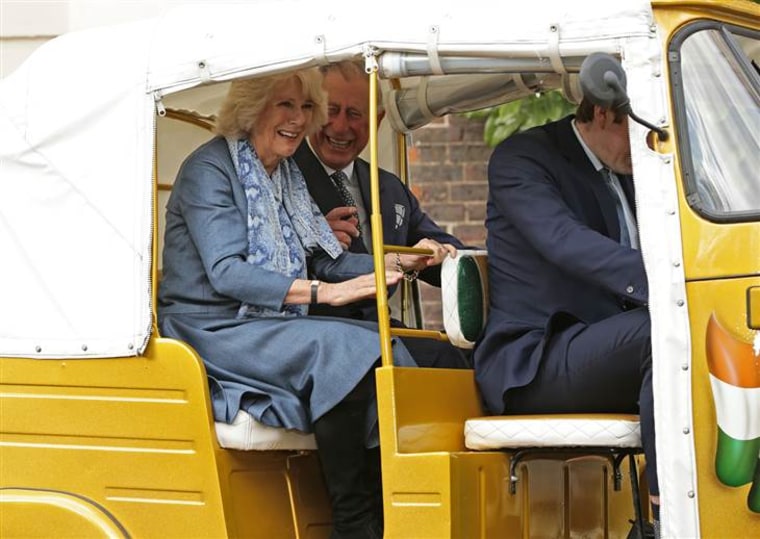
(736, 460)
(753, 498)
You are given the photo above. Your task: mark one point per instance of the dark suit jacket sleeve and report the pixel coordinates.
(318, 182)
(347, 266)
(524, 186)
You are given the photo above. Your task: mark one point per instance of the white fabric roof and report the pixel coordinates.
(77, 124)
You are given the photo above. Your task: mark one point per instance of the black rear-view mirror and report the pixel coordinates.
(603, 82)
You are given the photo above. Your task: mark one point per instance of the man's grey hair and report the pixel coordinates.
(351, 69)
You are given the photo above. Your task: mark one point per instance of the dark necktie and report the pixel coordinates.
(339, 178)
(625, 237)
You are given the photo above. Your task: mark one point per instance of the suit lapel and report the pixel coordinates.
(589, 176)
(321, 187)
(357, 244)
(361, 167)
(606, 204)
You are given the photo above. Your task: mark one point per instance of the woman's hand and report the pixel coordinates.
(355, 289)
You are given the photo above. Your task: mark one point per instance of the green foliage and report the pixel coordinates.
(504, 120)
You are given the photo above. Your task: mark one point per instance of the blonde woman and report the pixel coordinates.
(246, 252)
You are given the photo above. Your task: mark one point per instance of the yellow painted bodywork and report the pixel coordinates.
(722, 510)
(37, 513)
(722, 281)
(710, 250)
(126, 446)
(753, 307)
(135, 436)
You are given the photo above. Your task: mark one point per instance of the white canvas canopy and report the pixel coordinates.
(77, 129)
(77, 124)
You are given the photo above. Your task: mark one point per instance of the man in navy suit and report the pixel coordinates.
(568, 328)
(335, 149)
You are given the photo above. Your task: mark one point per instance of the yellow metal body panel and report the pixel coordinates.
(721, 283)
(135, 435)
(723, 510)
(753, 307)
(40, 513)
(710, 250)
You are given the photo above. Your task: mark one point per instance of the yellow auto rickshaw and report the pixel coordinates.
(106, 427)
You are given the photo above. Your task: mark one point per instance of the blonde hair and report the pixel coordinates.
(247, 98)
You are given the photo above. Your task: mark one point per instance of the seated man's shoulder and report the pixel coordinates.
(538, 142)
(363, 167)
(390, 182)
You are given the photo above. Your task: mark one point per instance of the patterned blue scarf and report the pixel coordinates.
(284, 224)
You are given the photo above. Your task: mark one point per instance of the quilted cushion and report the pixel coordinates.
(464, 296)
(247, 434)
(559, 430)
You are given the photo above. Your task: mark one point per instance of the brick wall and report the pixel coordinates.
(448, 160)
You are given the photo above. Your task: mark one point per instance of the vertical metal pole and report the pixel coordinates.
(406, 290)
(376, 218)
(637, 512)
(154, 239)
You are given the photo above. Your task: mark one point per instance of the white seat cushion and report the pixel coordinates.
(559, 430)
(247, 434)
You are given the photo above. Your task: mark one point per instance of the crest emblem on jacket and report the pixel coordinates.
(400, 212)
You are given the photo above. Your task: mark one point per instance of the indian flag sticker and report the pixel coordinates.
(735, 379)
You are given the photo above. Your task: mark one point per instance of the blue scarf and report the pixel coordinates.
(284, 223)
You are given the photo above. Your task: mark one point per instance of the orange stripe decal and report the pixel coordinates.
(729, 359)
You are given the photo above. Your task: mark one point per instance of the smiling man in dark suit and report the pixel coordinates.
(568, 328)
(338, 181)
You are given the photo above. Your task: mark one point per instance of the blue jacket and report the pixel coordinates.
(553, 254)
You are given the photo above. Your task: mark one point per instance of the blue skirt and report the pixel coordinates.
(285, 372)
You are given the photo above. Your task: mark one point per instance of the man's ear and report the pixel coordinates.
(601, 116)
(380, 116)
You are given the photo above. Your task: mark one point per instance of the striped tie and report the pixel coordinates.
(625, 237)
(339, 178)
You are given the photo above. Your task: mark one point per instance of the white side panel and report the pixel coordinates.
(660, 236)
(75, 199)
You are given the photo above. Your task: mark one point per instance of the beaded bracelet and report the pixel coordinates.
(408, 275)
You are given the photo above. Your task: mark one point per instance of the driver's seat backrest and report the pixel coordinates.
(464, 296)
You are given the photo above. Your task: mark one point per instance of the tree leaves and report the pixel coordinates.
(506, 119)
